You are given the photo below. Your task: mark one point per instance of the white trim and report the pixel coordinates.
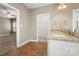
(30, 40)
(18, 28)
(49, 24)
(37, 26)
(17, 21)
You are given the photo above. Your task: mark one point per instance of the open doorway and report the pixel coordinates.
(8, 28)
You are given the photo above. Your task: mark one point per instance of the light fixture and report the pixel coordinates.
(11, 14)
(59, 7)
(62, 6)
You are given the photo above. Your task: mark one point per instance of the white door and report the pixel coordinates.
(43, 25)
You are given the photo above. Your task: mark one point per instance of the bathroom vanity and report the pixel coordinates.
(61, 44)
(64, 41)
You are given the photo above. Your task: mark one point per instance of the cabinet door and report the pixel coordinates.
(62, 48)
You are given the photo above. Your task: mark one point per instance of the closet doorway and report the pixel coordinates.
(43, 26)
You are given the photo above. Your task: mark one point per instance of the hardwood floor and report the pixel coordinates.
(7, 42)
(30, 49)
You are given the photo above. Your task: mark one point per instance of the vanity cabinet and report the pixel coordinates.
(62, 48)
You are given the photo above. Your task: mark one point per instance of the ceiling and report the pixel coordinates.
(36, 5)
(2, 6)
(7, 12)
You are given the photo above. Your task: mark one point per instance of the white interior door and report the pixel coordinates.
(43, 22)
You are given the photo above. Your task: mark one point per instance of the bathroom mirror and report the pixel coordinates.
(76, 20)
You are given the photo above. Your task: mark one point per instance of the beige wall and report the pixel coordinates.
(24, 20)
(28, 18)
(5, 25)
(58, 17)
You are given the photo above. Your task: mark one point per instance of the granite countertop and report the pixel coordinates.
(58, 35)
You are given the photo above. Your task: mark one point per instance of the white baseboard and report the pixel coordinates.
(30, 40)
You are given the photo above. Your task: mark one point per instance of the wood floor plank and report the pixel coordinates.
(29, 49)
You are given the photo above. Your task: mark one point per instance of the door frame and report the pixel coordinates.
(17, 22)
(37, 23)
